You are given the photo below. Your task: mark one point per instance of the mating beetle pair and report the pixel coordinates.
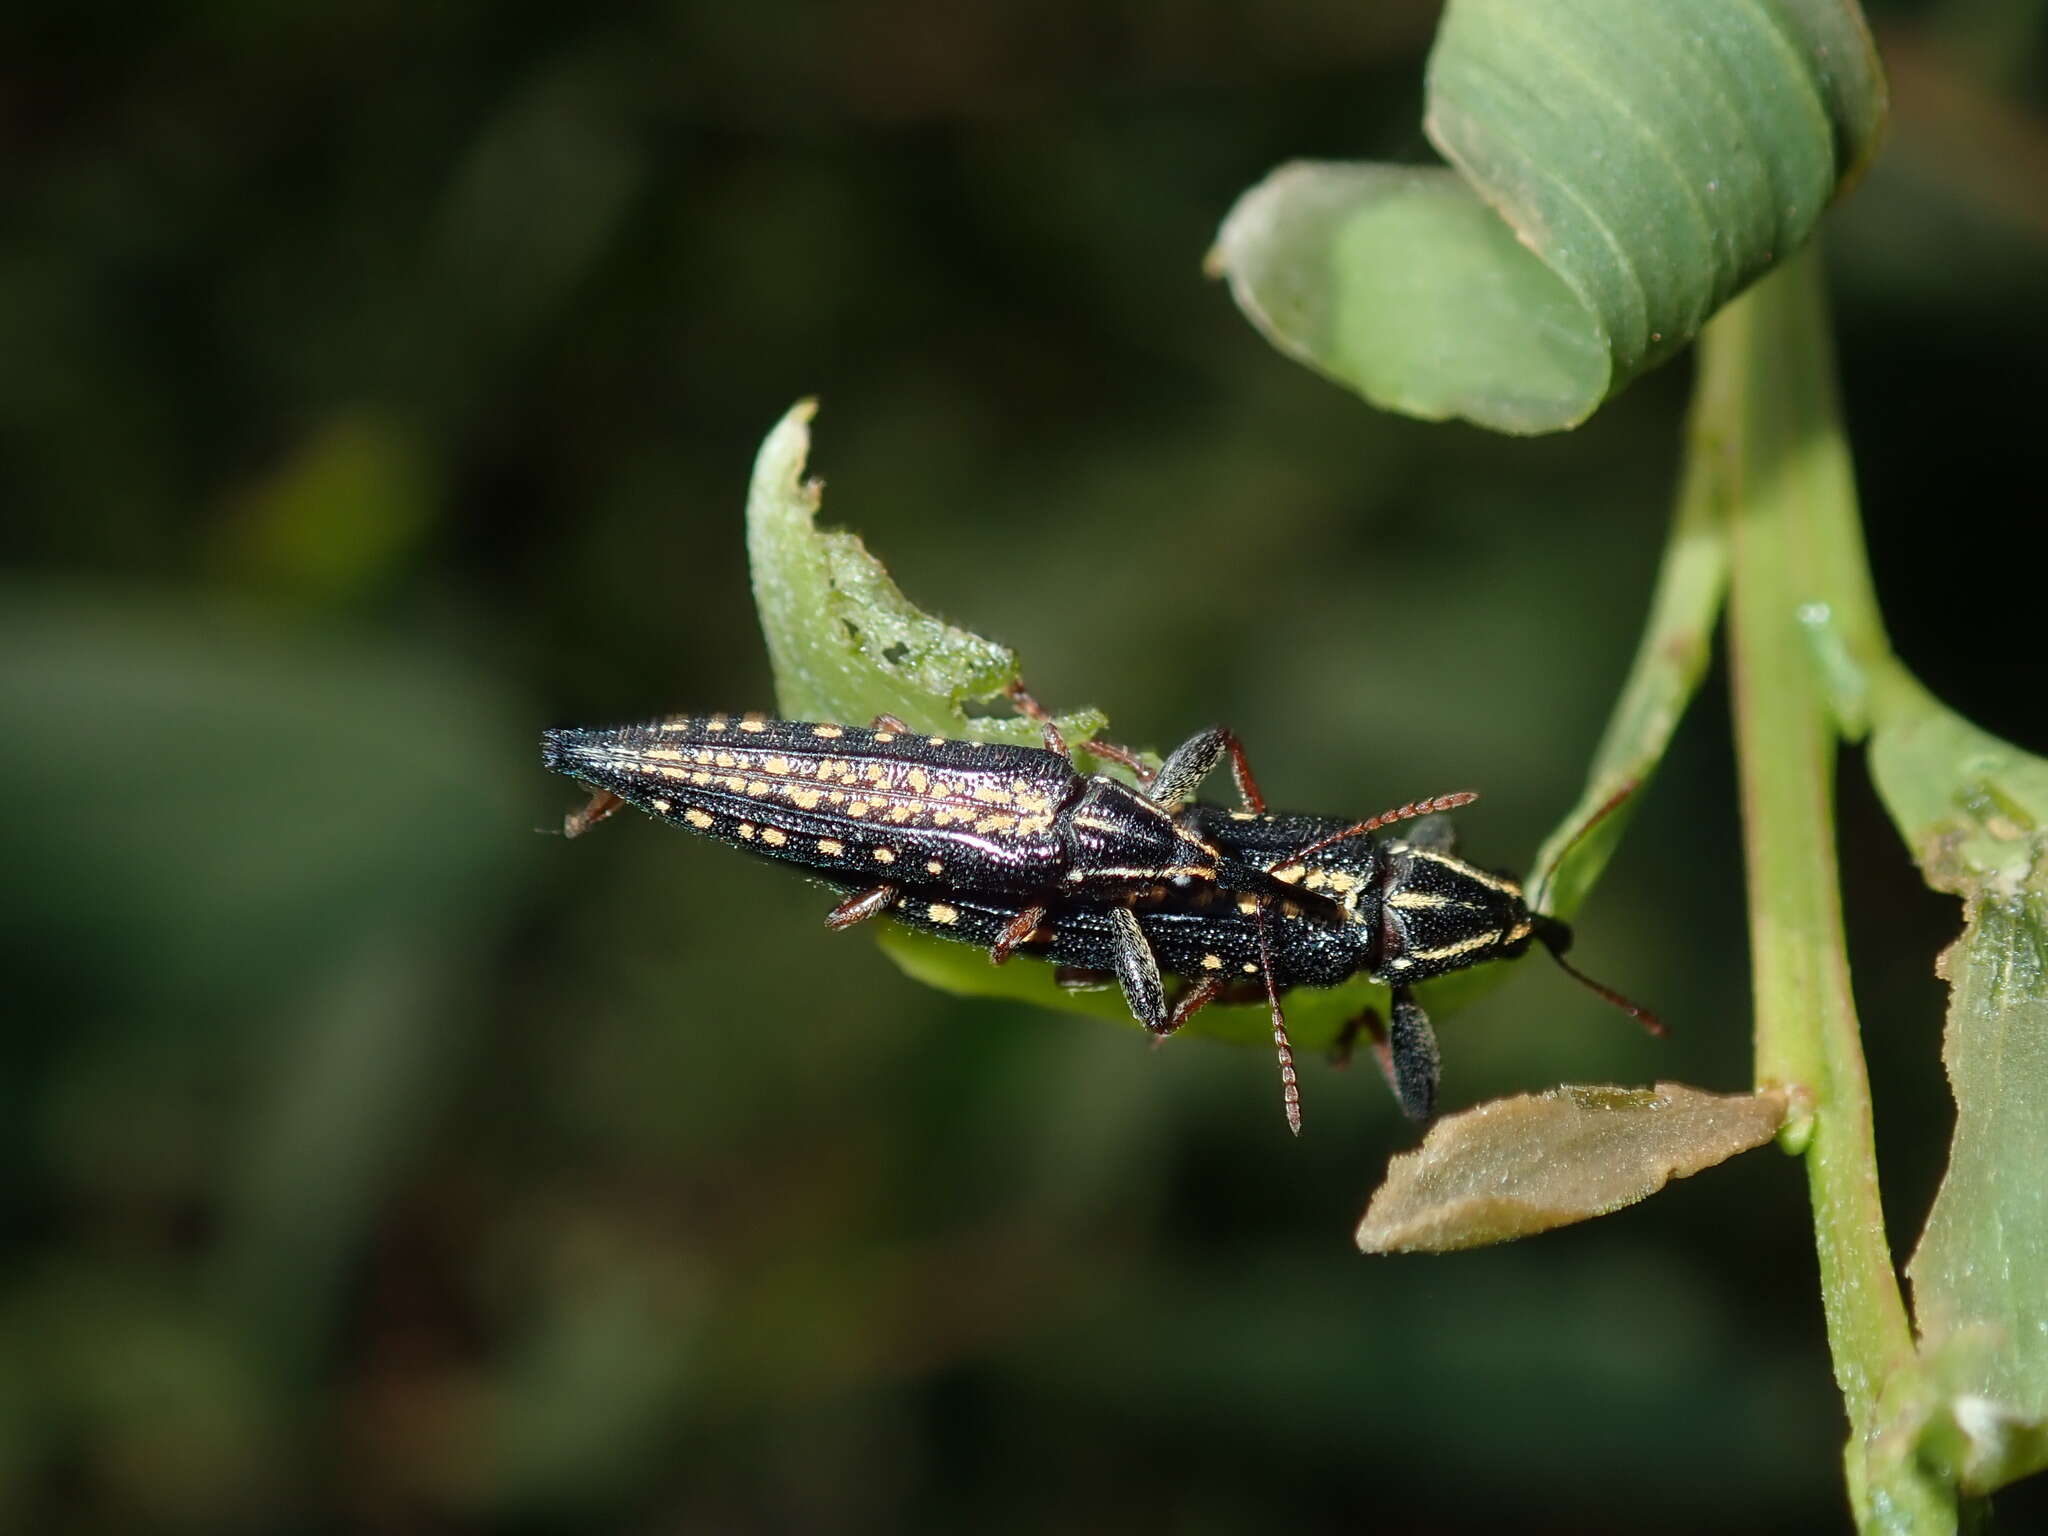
(1014, 850)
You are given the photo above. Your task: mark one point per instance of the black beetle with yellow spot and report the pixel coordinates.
(1014, 850)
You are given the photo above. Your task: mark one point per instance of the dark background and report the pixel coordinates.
(381, 385)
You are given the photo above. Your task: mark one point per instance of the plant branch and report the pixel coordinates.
(1766, 429)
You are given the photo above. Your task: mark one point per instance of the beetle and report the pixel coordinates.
(1013, 848)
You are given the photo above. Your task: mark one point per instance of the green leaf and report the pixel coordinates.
(1670, 659)
(1523, 1165)
(1618, 173)
(845, 643)
(1974, 810)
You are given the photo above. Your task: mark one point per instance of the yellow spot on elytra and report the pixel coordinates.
(747, 830)
(674, 773)
(1250, 969)
(668, 753)
(1212, 962)
(727, 760)
(934, 867)
(917, 779)
(995, 823)
(837, 797)
(715, 723)
(943, 815)
(936, 741)
(885, 737)
(876, 773)
(899, 814)
(991, 794)
(885, 855)
(697, 818)
(826, 732)
(754, 723)
(757, 787)
(779, 766)
(1247, 905)
(831, 847)
(701, 755)
(1244, 816)
(700, 779)
(804, 798)
(858, 808)
(661, 805)
(735, 783)
(773, 837)
(941, 913)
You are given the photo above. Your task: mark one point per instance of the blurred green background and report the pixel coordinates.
(381, 386)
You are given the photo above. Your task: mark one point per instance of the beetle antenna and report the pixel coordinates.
(1290, 1082)
(1408, 812)
(1557, 938)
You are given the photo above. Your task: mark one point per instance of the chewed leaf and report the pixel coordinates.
(1943, 1417)
(844, 641)
(1523, 1165)
(847, 645)
(1974, 810)
(1617, 174)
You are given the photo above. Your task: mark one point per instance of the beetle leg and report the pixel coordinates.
(1192, 1002)
(1365, 1022)
(1123, 757)
(1108, 751)
(1190, 763)
(600, 805)
(1138, 969)
(861, 906)
(1413, 1060)
(1037, 713)
(887, 722)
(1020, 928)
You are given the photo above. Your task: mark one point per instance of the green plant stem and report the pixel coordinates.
(1767, 427)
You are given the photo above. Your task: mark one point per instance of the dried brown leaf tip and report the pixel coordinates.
(1526, 1164)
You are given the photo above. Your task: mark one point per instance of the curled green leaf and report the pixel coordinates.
(1617, 174)
(1522, 1165)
